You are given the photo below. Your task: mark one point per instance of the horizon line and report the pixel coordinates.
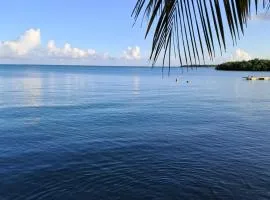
(141, 66)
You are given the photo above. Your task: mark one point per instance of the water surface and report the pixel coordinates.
(129, 133)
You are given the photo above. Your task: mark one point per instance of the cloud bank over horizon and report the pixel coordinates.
(68, 51)
(22, 46)
(28, 47)
(132, 53)
(264, 16)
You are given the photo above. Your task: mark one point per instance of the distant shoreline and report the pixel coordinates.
(252, 65)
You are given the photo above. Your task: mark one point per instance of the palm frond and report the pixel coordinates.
(194, 28)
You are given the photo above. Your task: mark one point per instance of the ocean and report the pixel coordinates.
(75, 132)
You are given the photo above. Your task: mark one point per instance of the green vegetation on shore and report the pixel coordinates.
(252, 65)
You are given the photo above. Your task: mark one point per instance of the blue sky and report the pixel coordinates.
(100, 28)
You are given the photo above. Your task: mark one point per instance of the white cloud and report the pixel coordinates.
(240, 55)
(261, 16)
(27, 42)
(237, 55)
(68, 51)
(132, 53)
(107, 56)
(28, 49)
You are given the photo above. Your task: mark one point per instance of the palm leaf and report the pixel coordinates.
(194, 28)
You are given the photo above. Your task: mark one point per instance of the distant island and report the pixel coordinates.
(252, 65)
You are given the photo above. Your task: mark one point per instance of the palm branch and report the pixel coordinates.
(193, 29)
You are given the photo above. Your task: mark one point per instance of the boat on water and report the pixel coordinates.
(254, 78)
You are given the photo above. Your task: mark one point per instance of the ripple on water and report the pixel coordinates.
(117, 133)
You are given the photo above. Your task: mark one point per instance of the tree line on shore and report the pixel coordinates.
(251, 65)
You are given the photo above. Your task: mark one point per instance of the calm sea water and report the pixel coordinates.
(127, 133)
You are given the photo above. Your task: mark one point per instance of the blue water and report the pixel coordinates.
(129, 133)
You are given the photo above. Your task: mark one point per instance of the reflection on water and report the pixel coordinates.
(79, 133)
(31, 88)
(1, 91)
(136, 85)
(21, 90)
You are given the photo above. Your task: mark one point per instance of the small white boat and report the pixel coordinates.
(253, 78)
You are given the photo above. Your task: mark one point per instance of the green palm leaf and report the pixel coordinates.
(193, 28)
